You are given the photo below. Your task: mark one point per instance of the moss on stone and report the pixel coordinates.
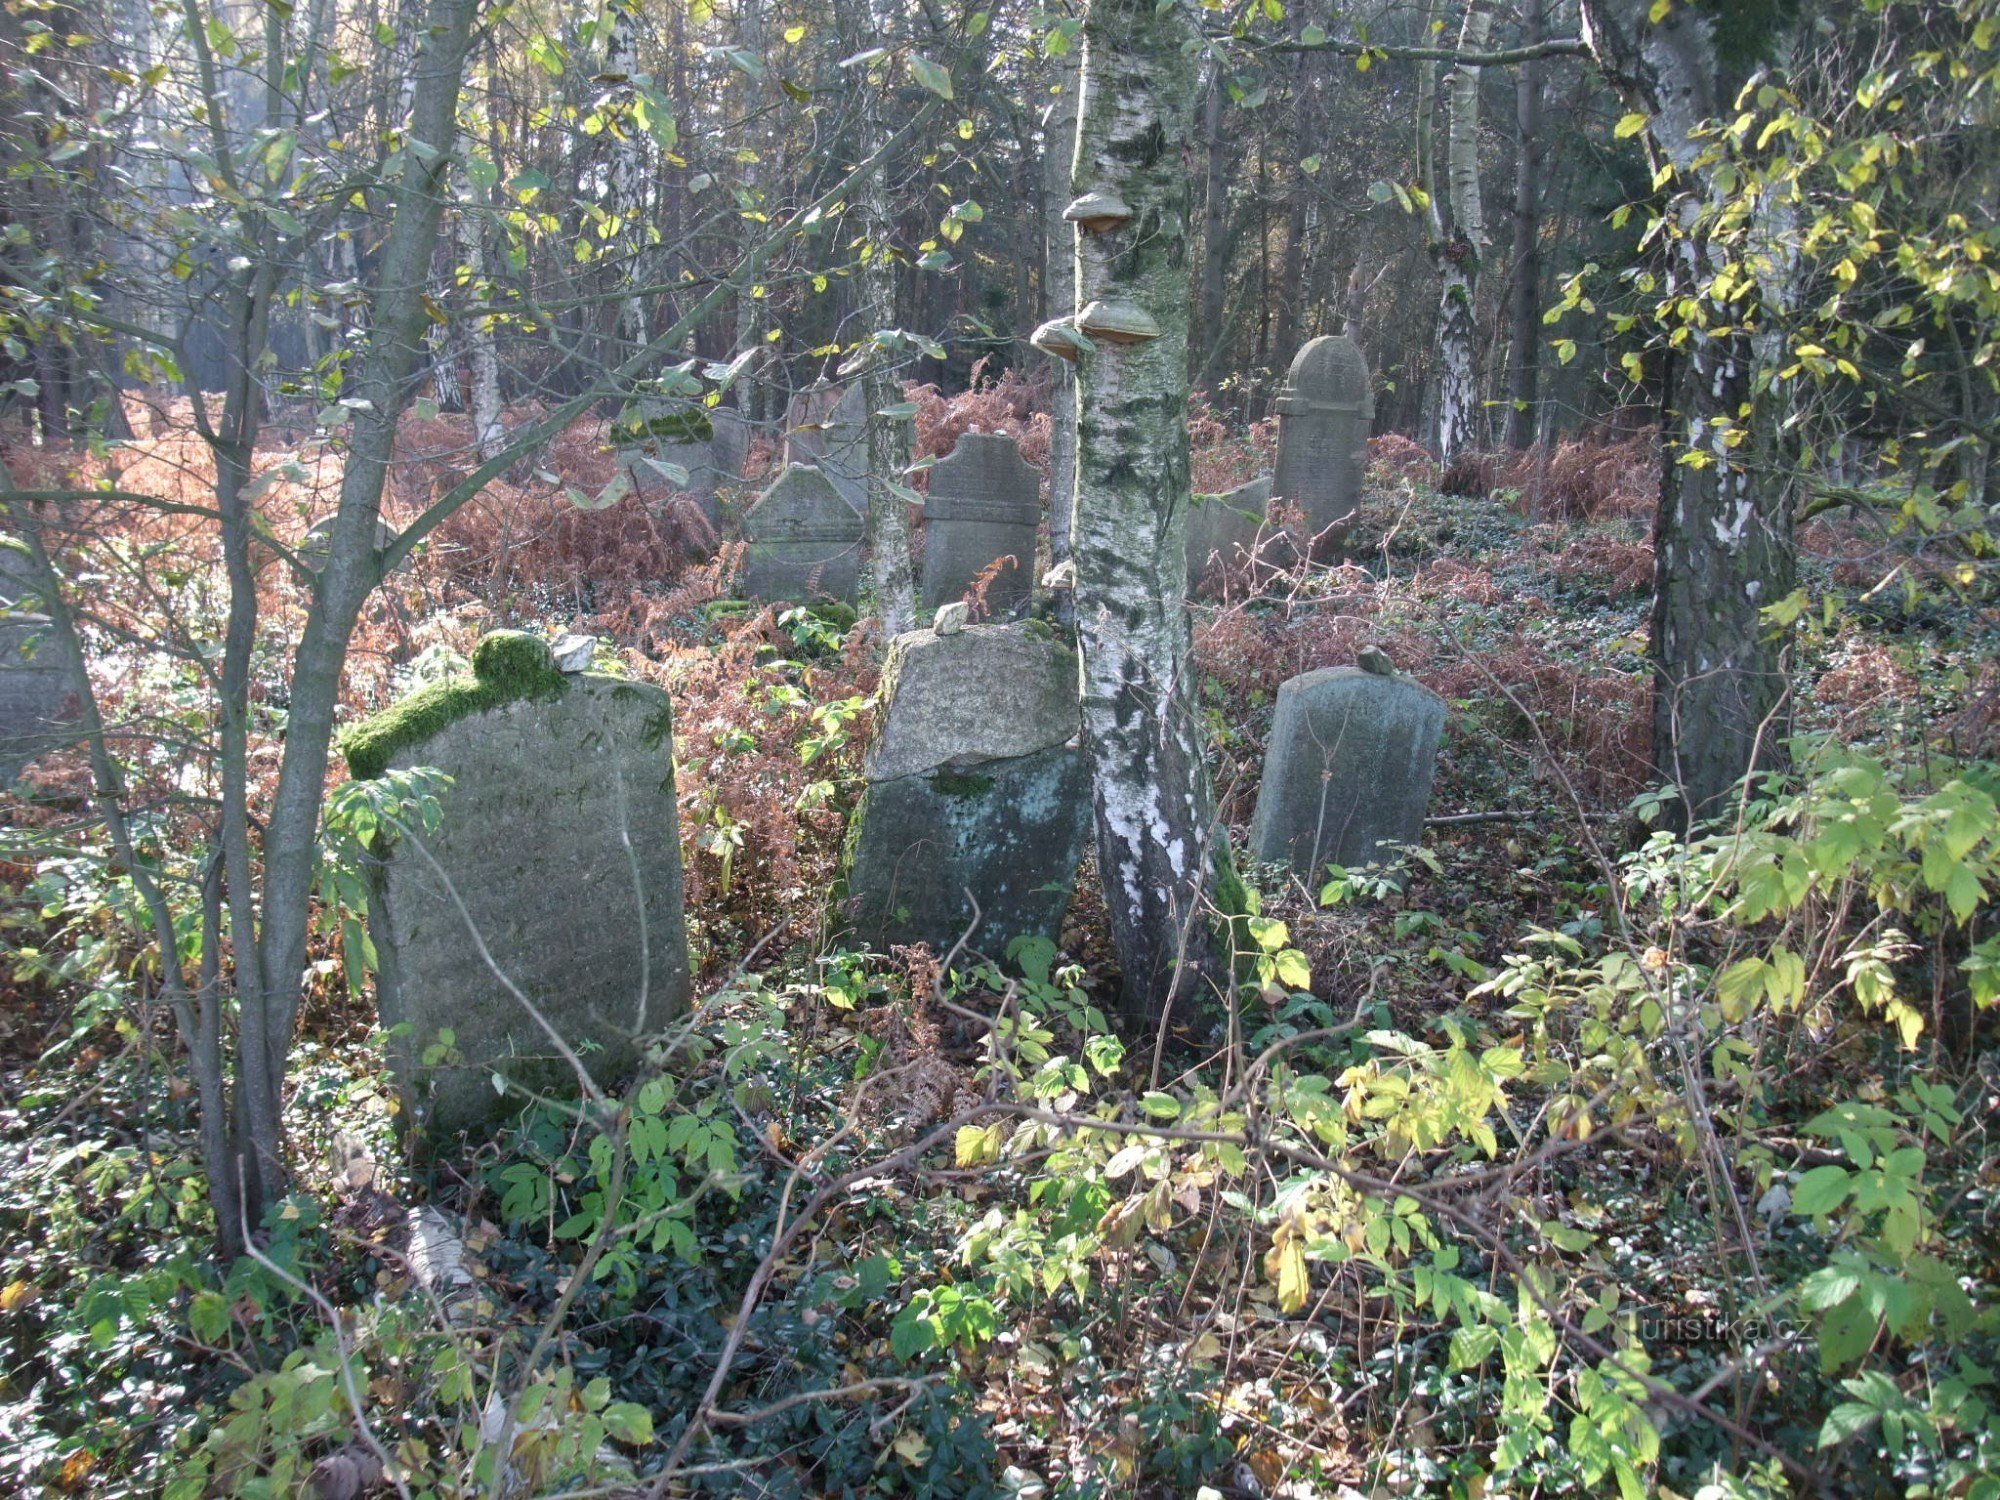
(691, 425)
(507, 665)
(947, 781)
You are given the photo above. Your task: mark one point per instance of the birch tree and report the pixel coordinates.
(1456, 229)
(1722, 540)
(1156, 830)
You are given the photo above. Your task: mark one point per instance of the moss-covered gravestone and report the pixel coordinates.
(804, 540)
(1223, 530)
(976, 792)
(558, 845)
(1348, 772)
(1325, 410)
(984, 507)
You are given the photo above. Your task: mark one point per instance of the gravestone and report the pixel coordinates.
(985, 504)
(559, 836)
(804, 540)
(709, 446)
(828, 429)
(1223, 530)
(1348, 770)
(1325, 410)
(35, 687)
(974, 783)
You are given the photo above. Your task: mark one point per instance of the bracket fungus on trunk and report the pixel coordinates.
(1059, 338)
(1118, 322)
(1098, 213)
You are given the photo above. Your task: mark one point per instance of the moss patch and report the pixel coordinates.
(507, 665)
(949, 782)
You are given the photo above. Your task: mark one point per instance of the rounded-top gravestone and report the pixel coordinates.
(1325, 410)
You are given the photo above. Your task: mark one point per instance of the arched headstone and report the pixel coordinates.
(1325, 411)
(1347, 772)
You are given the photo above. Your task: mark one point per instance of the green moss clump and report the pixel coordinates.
(947, 782)
(506, 665)
(1234, 904)
(688, 426)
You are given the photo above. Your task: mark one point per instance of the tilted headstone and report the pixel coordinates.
(1224, 530)
(1325, 410)
(35, 681)
(708, 445)
(829, 430)
(804, 540)
(558, 834)
(1348, 770)
(974, 784)
(985, 504)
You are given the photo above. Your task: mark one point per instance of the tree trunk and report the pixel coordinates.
(487, 429)
(1215, 213)
(382, 383)
(628, 171)
(1156, 827)
(1722, 539)
(1059, 297)
(891, 573)
(1458, 243)
(1524, 293)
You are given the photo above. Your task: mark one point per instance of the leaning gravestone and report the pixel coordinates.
(1325, 411)
(1348, 771)
(804, 540)
(707, 445)
(558, 835)
(35, 684)
(1223, 530)
(974, 784)
(984, 505)
(829, 430)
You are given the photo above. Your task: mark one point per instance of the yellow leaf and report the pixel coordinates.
(15, 1295)
(1629, 126)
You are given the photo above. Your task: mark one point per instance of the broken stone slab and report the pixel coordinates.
(1325, 411)
(1348, 772)
(977, 793)
(985, 504)
(559, 845)
(804, 540)
(1224, 530)
(985, 692)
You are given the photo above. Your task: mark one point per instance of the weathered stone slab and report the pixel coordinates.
(1325, 410)
(708, 444)
(560, 838)
(1348, 770)
(976, 792)
(35, 683)
(1223, 529)
(828, 429)
(985, 503)
(805, 540)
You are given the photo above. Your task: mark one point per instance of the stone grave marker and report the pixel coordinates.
(1223, 529)
(560, 838)
(708, 444)
(974, 782)
(984, 504)
(35, 688)
(1325, 410)
(1348, 770)
(829, 430)
(804, 540)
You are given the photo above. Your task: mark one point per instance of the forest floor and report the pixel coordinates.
(1025, 1323)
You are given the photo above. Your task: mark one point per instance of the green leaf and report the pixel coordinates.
(1822, 1190)
(629, 1422)
(930, 75)
(1629, 126)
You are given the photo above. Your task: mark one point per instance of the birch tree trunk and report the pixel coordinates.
(1059, 298)
(1458, 243)
(1524, 295)
(1156, 827)
(892, 583)
(487, 429)
(1722, 539)
(628, 171)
